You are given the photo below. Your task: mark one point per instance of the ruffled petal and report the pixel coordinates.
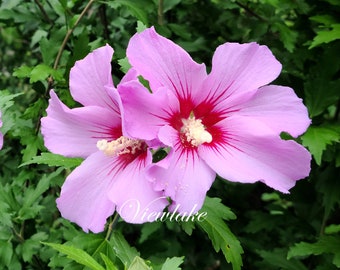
(83, 198)
(133, 193)
(165, 64)
(279, 108)
(185, 178)
(238, 69)
(75, 132)
(143, 113)
(249, 151)
(89, 76)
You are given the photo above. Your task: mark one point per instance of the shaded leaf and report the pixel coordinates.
(218, 231)
(325, 244)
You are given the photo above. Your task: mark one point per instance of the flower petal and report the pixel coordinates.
(83, 198)
(165, 64)
(240, 68)
(133, 193)
(279, 108)
(89, 76)
(75, 132)
(143, 113)
(185, 177)
(249, 151)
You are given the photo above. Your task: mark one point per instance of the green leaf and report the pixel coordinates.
(40, 73)
(325, 244)
(140, 27)
(172, 263)
(108, 263)
(326, 36)
(6, 253)
(139, 264)
(288, 36)
(124, 64)
(219, 233)
(317, 138)
(78, 255)
(54, 160)
(32, 246)
(332, 229)
(22, 72)
(123, 250)
(277, 258)
(137, 8)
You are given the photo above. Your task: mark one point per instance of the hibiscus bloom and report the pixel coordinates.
(226, 122)
(112, 175)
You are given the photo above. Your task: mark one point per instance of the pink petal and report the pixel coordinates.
(75, 132)
(279, 108)
(238, 69)
(83, 198)
(143, 113)
(133, 193)
(249, 151)
(165, 64)
(89, 76)
(185, 177)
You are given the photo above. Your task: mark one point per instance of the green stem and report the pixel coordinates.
(67, 37)
(160, 12)
(112, 224)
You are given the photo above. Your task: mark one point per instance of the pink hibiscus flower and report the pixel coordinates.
(112, 175)
(226, 122)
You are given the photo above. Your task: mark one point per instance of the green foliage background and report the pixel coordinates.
(260, 229)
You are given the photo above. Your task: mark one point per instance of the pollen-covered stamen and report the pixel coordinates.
(194, 132)
(120, 146)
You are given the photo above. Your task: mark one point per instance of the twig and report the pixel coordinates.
(250, 11)
(43, 11)
(111, 226)
(67, 36)
(160, 12)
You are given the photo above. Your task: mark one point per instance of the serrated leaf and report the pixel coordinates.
(325, 244)
(22, 72)
(277, 258)
(138, 264)
(123, 250)
(288, 36)
(148, 229)
(219, 233)
(124, 65)
(137, 8)
(317, 138)
(326, 36)
(173, 263)
(320, 90)
(78, 255)
(54, 160)
(40, 73)
(31, 246)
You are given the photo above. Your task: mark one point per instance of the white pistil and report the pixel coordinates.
(195, 132)
(120, 146)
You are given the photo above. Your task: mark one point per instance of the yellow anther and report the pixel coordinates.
(120, 146)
